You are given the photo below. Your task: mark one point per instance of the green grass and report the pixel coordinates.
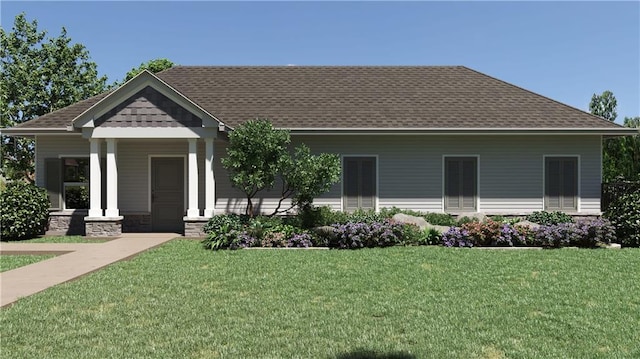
(62, 239)
(8, 262)
(179, 301)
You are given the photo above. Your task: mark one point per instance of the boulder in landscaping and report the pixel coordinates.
(407, 219)
(418, 221)
(325, 231)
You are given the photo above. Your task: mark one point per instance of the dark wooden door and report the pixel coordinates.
(167, 194)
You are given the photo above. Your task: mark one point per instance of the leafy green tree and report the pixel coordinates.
(621, 155)
(254, 155)
(306, 176)
(152, 66)
(38, 77)
(627, 165)
(604, 105)
(257, 156)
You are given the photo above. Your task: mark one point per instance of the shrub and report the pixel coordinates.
(387, 212)
(464, 220)
(511, 236)
(586, 233)
(274, 239)
(243, 240)
(492, 233)
(412, 235)
(258, 226)
(25, 210)
(310, 217)
(365, 216)
(222, 231)
(353, 235)
(440, 219)
(549, 218)
(456, 237)
(302, 240)
(624, 214)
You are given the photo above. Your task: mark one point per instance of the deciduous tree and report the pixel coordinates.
(152, 66)
(306, 176)
(37, 77)
(257, 156)
(621, 155)
(604, 105)
(254, 155)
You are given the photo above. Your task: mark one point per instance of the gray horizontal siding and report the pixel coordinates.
(133, 169)
(409, 169)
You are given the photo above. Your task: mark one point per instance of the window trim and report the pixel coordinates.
(443, 181)
(342, 174)
(579, 180)
(64, 183)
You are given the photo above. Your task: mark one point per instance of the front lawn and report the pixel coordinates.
(62, 239)
(13, 261)
(180, 301)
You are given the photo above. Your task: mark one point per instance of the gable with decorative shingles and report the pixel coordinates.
(148, 108)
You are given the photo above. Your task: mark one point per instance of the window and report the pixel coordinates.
(359, 183)
(67, 182)
(561, 184)
(75, 183)
(460, 183)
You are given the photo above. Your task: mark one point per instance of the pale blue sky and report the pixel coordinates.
(563, 50)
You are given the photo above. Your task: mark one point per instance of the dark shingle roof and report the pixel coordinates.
(360, 97)
(63, 117)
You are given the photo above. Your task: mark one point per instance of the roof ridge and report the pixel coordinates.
(314, 66)
(543, 96)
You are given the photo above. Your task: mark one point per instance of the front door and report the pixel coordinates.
(167, 194)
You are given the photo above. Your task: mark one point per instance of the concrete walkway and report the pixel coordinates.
(73, 260)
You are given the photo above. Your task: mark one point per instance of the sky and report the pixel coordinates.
(563, 50)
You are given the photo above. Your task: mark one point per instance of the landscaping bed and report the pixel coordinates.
(323, 227)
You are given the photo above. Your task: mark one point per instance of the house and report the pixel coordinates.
(146, 156)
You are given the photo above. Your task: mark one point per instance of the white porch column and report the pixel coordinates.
(95, 179)
(112, 179)
(193, 210)
(210, 180)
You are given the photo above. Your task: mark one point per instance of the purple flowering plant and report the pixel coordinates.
(302, 240)
(353, 235)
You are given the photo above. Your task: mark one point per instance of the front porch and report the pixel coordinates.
(169, 186)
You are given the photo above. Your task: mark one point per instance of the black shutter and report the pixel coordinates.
(359, 187)
(569, 184)
(561, 184)
(53, 181)
(368, 183)
(451, 184)
(460, 179)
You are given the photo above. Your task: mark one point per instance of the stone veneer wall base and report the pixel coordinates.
(103, 226)
(193, 227)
